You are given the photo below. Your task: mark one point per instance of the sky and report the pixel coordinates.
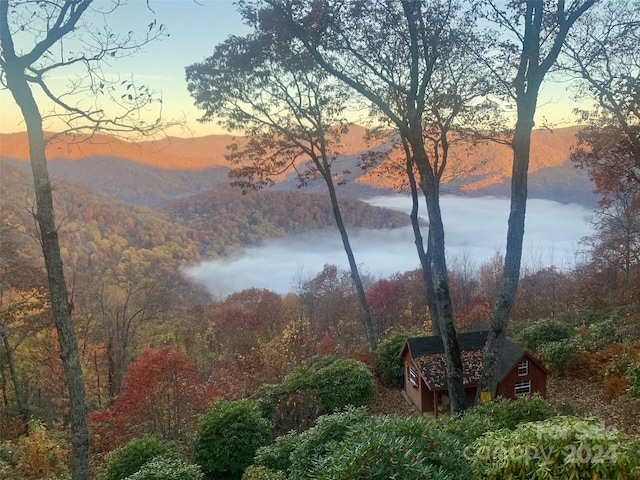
(552, 236)
(195, 27)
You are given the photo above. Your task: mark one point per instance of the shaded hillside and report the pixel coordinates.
(213, 223)
(564, 183)
(154, 173)
(249, 219)
(126, 180)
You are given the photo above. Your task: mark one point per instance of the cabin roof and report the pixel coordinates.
(428, 354)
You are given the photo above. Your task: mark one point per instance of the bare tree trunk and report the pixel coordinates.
(20, 399)
(513, 257)
(74, 379)
(440, 278)
(531, 72)
(424, 256)
(355, 275)
(444, 309)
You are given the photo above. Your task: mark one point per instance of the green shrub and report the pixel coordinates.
(618, 365)
(556, 354)
(277, 455)
(388, 366)
(391, 447)
(561, 447)
(167, 468)
(314, 443)
(128, 459)
(600, 334)
(499, 414)
(267, 397)
(543, 331)
(227, 438)
(262, 473)
(300, 378)
(633, 375)
(344, 382)
(318, 362)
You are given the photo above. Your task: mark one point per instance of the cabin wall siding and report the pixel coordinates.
(422, 397)
(414, 392)
(538, 377)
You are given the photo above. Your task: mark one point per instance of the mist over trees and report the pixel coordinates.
(103, 321)
(396, 56)
(293, 115)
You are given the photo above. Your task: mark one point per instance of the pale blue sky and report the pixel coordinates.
(195, 27)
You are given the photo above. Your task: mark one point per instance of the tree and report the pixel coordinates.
(124, 306)
(28, 68)
(530, 55)
(610, 279)
(328, 301)
(162, 394)
(237, 322)
(391, 54)
(23, 309)
(293, 112)
(603, 54)
(227, 438)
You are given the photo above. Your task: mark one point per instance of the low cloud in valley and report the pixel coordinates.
(475, 227)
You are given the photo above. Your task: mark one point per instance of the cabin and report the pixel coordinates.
(425, 371)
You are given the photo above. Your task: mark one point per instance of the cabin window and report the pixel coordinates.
(522, 388)
(523, 368)
(413, 377)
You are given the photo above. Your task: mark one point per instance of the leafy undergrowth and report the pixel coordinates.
(581, 396)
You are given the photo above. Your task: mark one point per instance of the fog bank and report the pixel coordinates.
(475, 227)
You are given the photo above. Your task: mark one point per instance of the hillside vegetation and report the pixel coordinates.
(171, 371)
(156, 173)
(209, 224)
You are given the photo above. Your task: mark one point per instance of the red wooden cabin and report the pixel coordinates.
(425, 374)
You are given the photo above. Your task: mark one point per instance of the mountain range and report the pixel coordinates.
(155, 173)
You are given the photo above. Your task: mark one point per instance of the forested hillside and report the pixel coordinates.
(210, 224)
(224, 216)
(156, 173)
(132, 182)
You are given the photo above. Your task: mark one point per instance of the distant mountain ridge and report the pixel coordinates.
(156, 173)
(133, 182)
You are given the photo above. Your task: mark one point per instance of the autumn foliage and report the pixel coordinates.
(162, 394)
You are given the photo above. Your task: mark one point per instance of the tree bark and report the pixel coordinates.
(443, 305)
(531, 72)
(424, 256)
(74, 379)
(513, 257)
(440, 278)
(355, 275)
